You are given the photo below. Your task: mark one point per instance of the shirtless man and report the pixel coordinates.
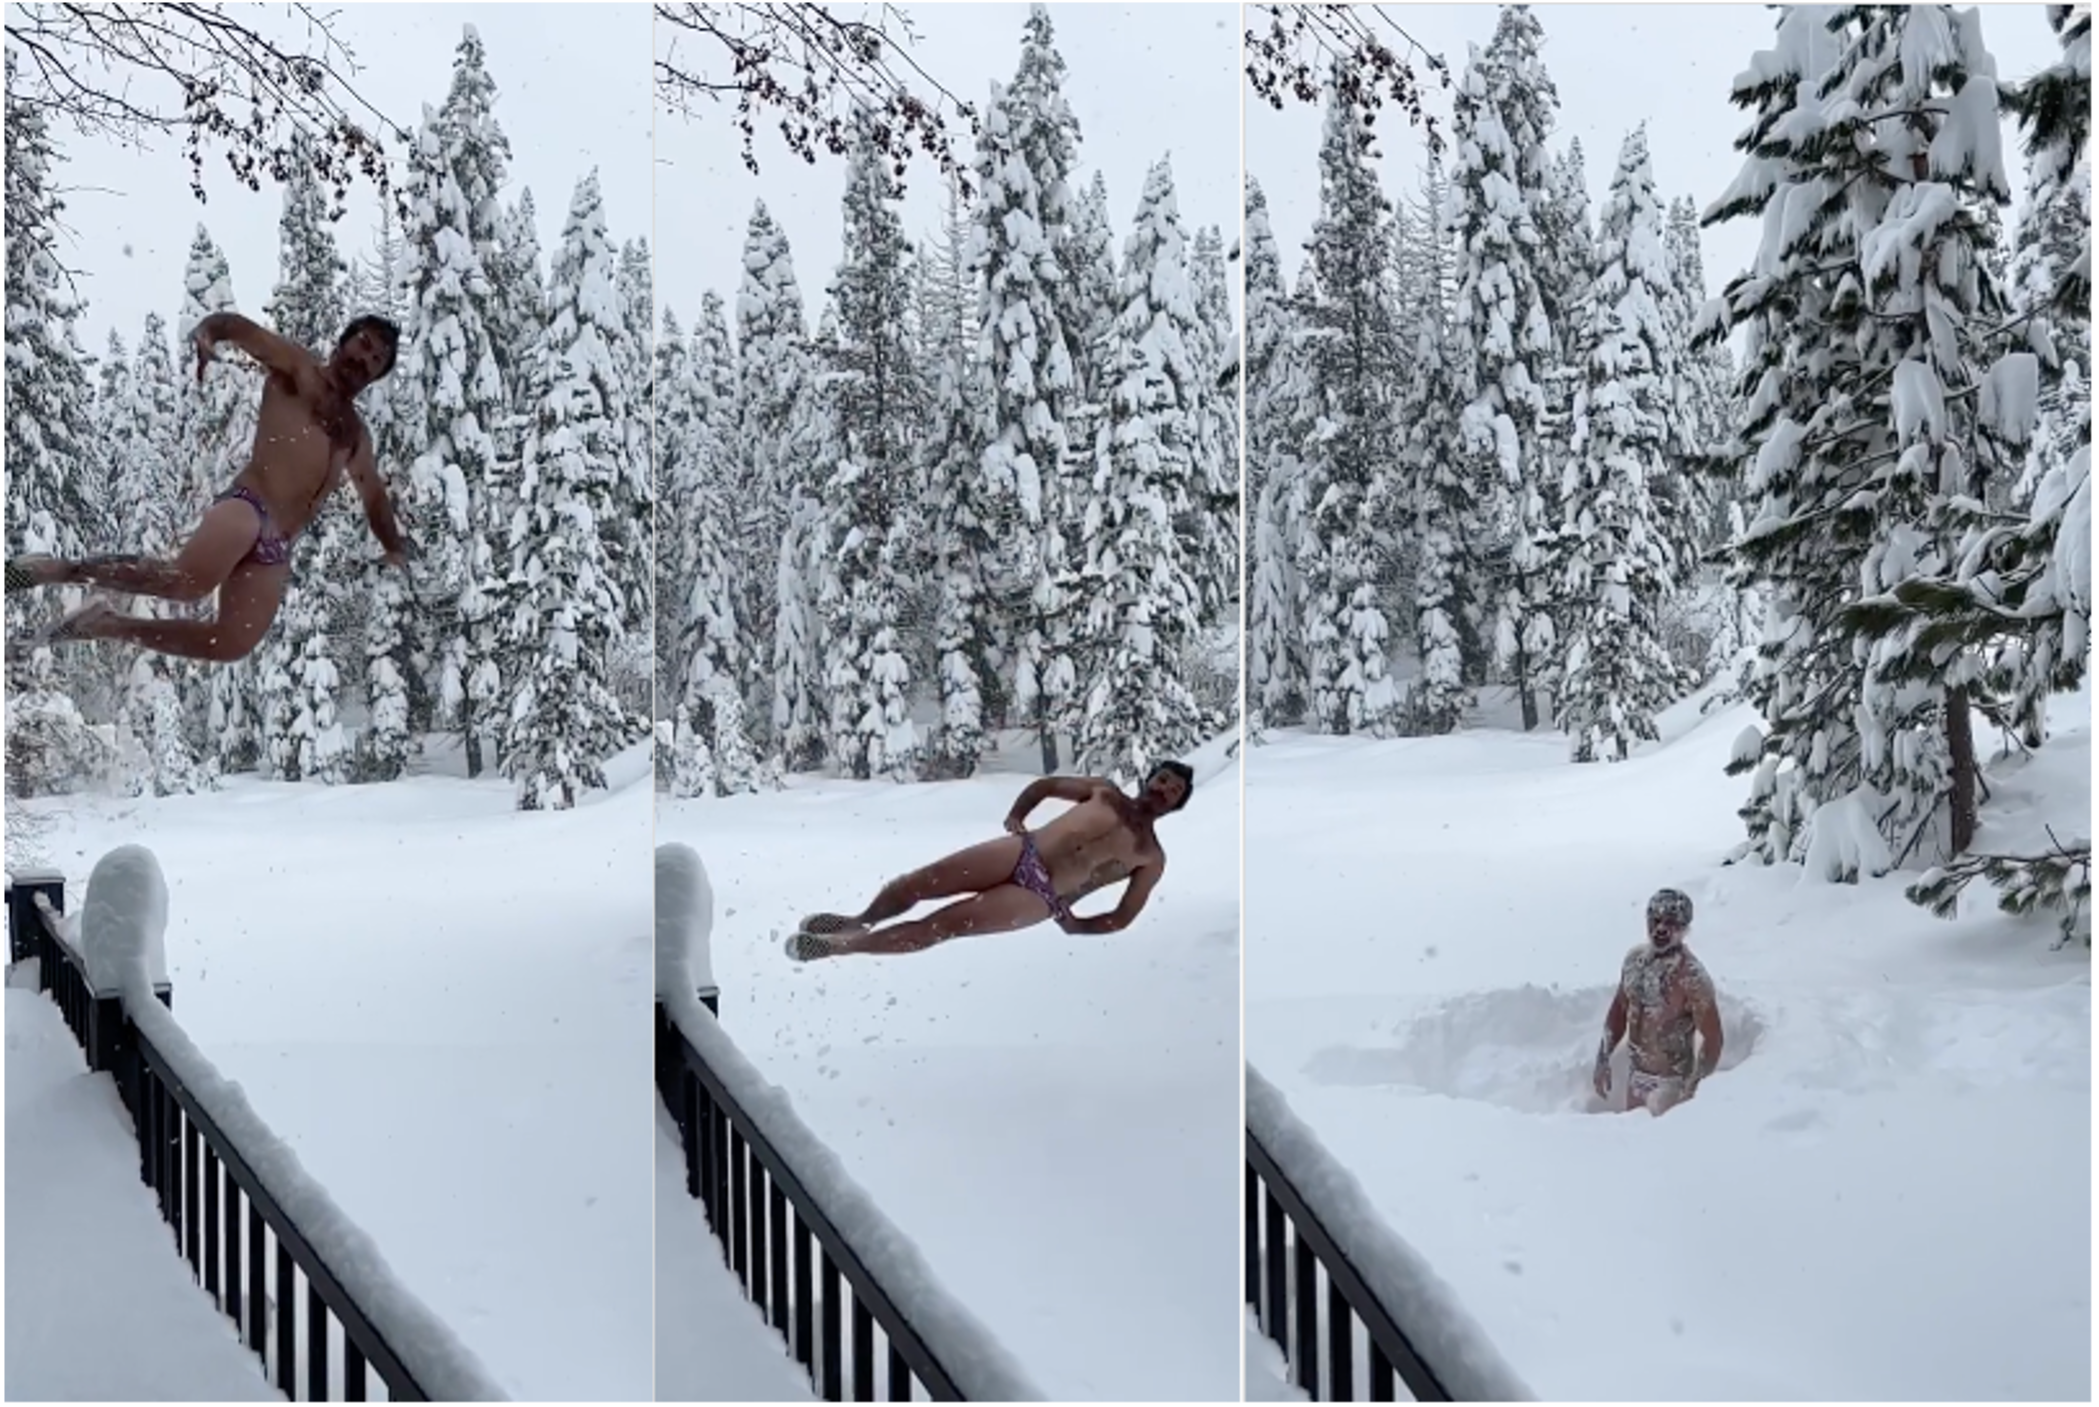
(1664, 997)
(1024, 877)
(308, 436)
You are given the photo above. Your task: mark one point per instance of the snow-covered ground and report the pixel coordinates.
(711, 1343)
(1886, 1191)
(87, 1249)
(443, 1006)
(1054, 1121)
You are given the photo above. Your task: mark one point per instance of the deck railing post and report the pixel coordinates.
(22, 916)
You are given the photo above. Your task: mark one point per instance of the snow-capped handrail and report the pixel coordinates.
(203, 1148)
(769, 1188)
(1319, 1218)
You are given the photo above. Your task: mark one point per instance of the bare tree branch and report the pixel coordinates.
(133, 72)
(1296, 51)
(816, 73)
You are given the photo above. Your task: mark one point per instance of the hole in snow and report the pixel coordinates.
(1524, 1048)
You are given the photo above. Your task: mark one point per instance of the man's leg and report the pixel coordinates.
(970, 871)
(222, 539)
(248, 603)
(1002, 909)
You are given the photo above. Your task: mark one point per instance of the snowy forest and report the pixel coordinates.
(994, 489)
(1494, 441)
(513, 432)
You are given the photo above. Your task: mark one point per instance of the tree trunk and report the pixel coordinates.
(472, 737)
(1960, 743)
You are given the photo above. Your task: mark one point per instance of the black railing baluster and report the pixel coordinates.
(831, 1387)
(287, 1323)
(739, 1212)
(190, 1199)
(212, 1248)
(1380, 1374)
(863, 1352)
(1307, 1304)
(233, 1252)
(804, 1298)
(316, 1344)
(777, 1210)
(353, 1373)
(761, 1259)
(1340, 1344)
(1274, 1248)
(1252, 1240)
(899, 1374)
(258, 1292)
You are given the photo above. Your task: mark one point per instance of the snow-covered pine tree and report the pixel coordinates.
(1503, 348)
(451, 387)
(772, 376)
(1875, 424)
(1093, 256)
(1030, 322)
(1441, 493)
(1567, 264)
(1277, 404)
(633, 508)
(1142, 599)
(149, 500)
(1353, 355)
(872, 496)
(563, 610)
(217, 437)
(297, 672)
(1618, 563)
(1212, 539)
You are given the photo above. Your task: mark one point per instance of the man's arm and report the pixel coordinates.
(1072, 789)
(378, 506)
(1143, 880)
(280, 354)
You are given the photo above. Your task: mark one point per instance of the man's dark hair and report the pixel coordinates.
(1185, 773)
(383, 328)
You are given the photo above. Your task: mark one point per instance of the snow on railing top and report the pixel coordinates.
(980, 1365)
(684, 921)
(1448, 1339)
(122, 922)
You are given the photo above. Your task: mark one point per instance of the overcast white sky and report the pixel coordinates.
(572, 91)
(1144, 81)
(1613, 65)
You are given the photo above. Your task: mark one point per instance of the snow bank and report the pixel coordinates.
(1448, 1339)
(684, 922)
(123, 919)
(981, 1366)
